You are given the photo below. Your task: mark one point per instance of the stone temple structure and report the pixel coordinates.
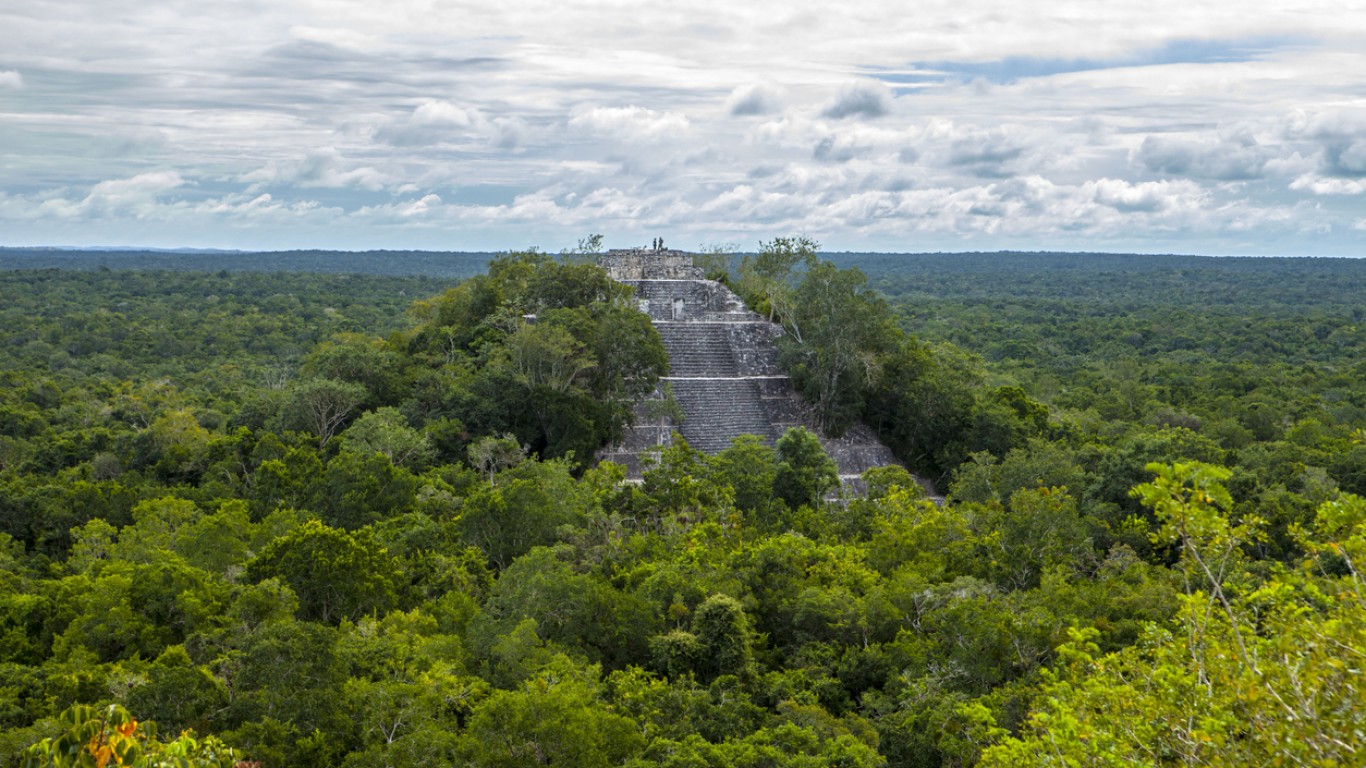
(724, 374)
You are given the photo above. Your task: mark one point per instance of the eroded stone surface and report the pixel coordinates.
(652, 264)
(724, 371)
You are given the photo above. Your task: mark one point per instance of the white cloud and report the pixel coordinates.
(317, 168)
(837, 149)
(638, 123)
(1235, 158)
(1328, 186)
(508, 133)
(342, 37)
(138, 197)
(434, 122)
(983, 119)
(264, 209)
(1147, 197)
(1349, 159)
(986, 153)
(1339, 137)
(753, 99)
(750, 204)
(418, 208)
(1330, 123)
(861, 99)
(445, 114)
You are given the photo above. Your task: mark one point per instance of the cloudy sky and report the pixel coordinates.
(1155, 126)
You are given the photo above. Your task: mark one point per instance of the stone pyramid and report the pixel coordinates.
(723, 369)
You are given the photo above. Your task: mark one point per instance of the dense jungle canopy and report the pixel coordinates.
(348, 515)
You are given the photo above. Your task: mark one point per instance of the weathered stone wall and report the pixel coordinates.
(724, 371)
(649, 264)
(686, 299)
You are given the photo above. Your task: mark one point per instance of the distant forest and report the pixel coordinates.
(439, 264)
(1132, 279)
(316, 509)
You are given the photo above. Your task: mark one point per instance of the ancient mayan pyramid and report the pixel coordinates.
(723, 365)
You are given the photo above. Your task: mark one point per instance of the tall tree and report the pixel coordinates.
(322, 406)
(768, 276)
(838, 332)
(336, 574)
(805, 472)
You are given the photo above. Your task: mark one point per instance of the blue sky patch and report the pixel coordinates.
(1014, 68)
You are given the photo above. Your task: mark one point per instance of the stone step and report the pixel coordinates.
(719, 410)
(721, 349)
(698, 349)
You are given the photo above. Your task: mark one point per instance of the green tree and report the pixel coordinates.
(355, 359)
(630, 359)
(1038, 529)
(837, 333)
(406, 724)
(720, 642)
(767, 277)
(493, 454)
(555, 718)
(524, 509)
(336, 574)
(578, 611)
(287, 681)
(805, 473)
(547, 356)
(322, 406)
(362, 488)
(178, 694)
(291, 481)
(130, 610)
(176, 446)
(750, 467)
(723, 631)
(386, 431)
(923, 406)
(562, 285)
(552, 353)
(1040, 464)
(676, 484)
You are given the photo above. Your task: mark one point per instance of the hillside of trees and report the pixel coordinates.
(322, 519)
